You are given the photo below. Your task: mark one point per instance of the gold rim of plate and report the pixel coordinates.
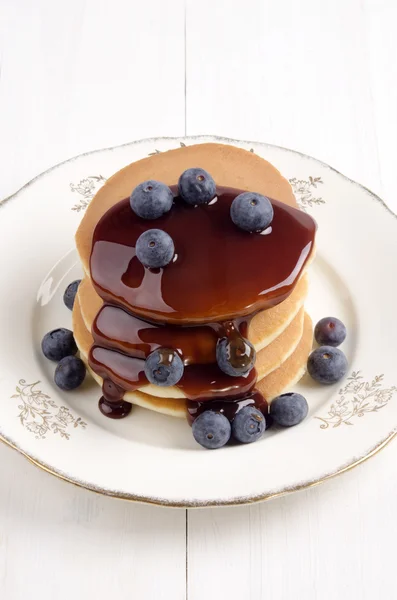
(203, 504)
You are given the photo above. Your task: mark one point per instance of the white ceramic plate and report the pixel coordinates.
(153, 458)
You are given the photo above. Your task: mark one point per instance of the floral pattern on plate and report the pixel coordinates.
(87, 189)
(40, 415)
(357, 398)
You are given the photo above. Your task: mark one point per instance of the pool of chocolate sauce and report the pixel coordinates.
(228, 407)
(219, 272)
(219, 278)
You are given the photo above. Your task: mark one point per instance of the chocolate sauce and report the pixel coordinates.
(229, 408)
(115, 410)
(219, 272)
(127, 372)
(219, 278)
(115, 328)
(112, 404)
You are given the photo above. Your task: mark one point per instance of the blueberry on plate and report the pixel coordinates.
(248, 425)
(330, 332)
(236, 356)
(58, 343)
(70, 293)
(211, 430)
(155, 248)
(70, 373)
(151, 199)
(327, 364)
(251, 212)
(196, 186)
(289, 409)
(164, 367)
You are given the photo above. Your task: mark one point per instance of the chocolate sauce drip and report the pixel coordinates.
(114, 327)
(229, 407)
(197, 381)
(112, 393)
(219, 278)
(112, 404)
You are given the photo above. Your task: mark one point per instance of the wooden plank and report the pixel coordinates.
(76, 76)
(287, 73)
(329, 542)
(317, 77)
(380, 19)
(60, 541)
(82, 75)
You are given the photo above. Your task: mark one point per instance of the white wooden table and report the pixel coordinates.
(319, 76)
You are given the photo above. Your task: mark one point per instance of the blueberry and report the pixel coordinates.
(58, 343)
(289, 409)
(196, 186)
(211, 429)
(164, 367)
(70, 293)
(235, 356)
(151, 199)
(155, 248)
(251, 212)
(248, 425)
(330, 332)
(327, 364)
(70, 373)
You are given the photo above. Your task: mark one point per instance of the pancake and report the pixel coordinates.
(282, 335)
(268, 359)
(265, 327)
(292, 370)
(275, 354)
(228, 165)
(173, 407)
(279, 381)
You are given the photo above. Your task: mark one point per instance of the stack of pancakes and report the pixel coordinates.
(282, 335)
